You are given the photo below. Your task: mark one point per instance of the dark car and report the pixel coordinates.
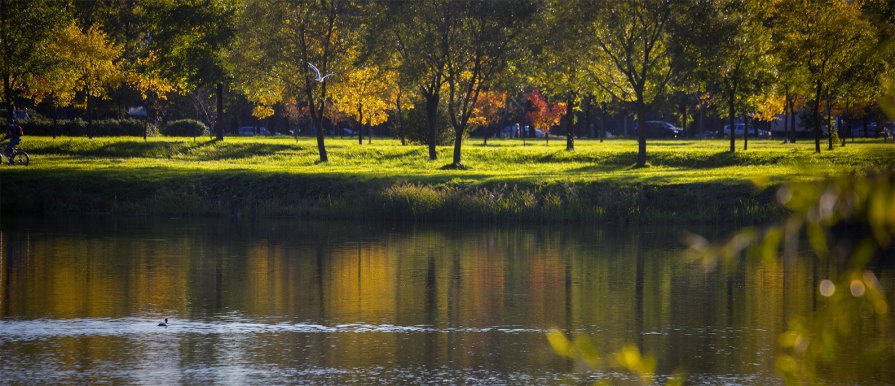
(660, 129)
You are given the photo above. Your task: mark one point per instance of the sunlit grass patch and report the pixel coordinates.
(506, 179)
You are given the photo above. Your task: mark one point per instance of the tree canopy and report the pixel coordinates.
(653, 59)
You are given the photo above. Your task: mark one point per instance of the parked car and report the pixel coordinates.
(660, 129)
(754, 132)
(250, 130)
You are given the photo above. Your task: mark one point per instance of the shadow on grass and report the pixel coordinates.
(629, 175)
(410, 153)
(245, 150)
(682, 160)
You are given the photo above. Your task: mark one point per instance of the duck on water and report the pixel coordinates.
(164, 324)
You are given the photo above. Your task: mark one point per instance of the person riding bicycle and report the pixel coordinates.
(14, 133)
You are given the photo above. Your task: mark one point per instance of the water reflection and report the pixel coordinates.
(287, 301)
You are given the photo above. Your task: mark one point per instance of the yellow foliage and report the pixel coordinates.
(262, 111)
(87, 63)
(767, 107)
(147, 78)
(366, 94)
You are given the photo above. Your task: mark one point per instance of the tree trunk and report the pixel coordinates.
(485, 141)
(701, 120)
(792, 120)
(219, 122)
(570, 124)
(847, 124)
(432, 121)
(684, 117)
(360, 133)
(588, 114)
(321, 145)
(816, 115)
(89, 115)
(745, 132)
(641, 134)
(731, 116)
(786, 118)
(55, 120)
(830, 122)
(458, 143)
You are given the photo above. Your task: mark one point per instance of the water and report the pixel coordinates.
(294, 302)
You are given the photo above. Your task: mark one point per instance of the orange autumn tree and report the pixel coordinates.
(543, 115)
(487, 110)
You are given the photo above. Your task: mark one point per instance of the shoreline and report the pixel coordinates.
(249, 195)
(506, 182)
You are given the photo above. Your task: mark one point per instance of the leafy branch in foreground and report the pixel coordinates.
(849, 219)
(581, 350)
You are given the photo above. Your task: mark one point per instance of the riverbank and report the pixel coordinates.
(506, 180)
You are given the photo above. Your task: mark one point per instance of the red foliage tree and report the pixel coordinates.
(542, 115)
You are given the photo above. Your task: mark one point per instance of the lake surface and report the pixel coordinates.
(280, 301)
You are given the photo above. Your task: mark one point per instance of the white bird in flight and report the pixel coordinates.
(316, 71)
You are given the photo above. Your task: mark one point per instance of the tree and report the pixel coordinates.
(148, 75)
(402, 103)
(562, 46)
(487, 110)
(88, 63)
(543, 115)
(827, 37)
(366, 95)
(731, 43)
(270, 59)
(26, 29)
(190, 38)
(480, 35)
(633, 63)
(792, 82)
(411, 27)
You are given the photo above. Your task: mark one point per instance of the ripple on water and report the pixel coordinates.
(18, 330)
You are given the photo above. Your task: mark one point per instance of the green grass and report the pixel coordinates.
(503, 180)
(671, 161)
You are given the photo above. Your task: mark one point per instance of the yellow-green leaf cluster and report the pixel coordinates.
(366, 94)
(87, 64)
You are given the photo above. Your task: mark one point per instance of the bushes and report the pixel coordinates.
(111, 128)
(185, 128)
(78, 128)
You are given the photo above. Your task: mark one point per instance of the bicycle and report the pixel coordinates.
(18, 157)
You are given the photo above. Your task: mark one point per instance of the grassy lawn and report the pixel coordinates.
(507, 180)
(501, 161)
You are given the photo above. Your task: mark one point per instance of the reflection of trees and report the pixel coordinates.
(616, 282)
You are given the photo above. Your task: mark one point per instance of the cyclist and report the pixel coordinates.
(14, 133)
